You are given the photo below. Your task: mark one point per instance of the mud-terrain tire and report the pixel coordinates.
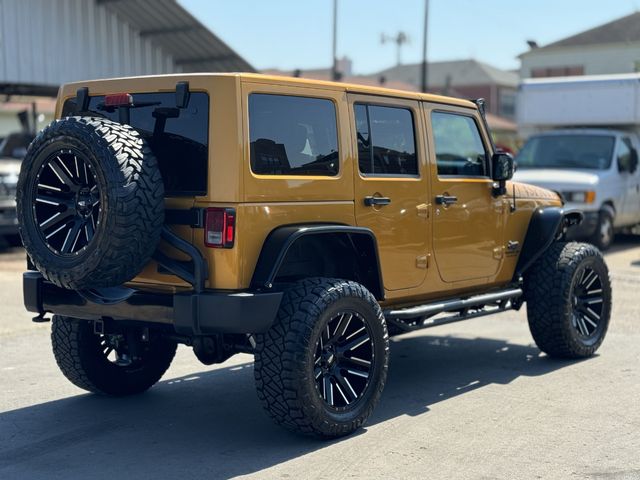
(604, 235)
(302, 362)
(84, 358)
(568, 295)
(90, 203)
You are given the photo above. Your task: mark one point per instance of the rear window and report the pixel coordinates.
(293, 135)
(181, 147)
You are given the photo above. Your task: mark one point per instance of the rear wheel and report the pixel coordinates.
(568, 294)
(321, 368)
(107, 364)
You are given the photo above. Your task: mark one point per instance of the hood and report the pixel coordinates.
(523, 190)
(556, 179)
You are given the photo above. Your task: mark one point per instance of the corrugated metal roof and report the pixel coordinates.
(193, 46)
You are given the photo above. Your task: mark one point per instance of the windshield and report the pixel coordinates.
(567, 151)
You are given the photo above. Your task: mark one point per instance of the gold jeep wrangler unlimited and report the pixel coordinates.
(300, 221)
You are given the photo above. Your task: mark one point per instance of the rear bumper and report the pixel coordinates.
(190, 313)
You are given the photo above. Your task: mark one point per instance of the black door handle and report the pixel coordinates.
(446, 199)
(371, 201)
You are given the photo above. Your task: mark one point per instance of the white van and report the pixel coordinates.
(594, 170)
(583, 143)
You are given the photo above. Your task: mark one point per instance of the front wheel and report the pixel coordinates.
(107, 364)
(568, 294)
(321, 368)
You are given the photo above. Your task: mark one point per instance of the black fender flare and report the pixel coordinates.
(280, 240)
(546, 225)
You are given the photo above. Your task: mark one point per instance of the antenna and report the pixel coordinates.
(400, 39)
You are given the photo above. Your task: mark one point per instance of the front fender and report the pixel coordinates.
(545, 226)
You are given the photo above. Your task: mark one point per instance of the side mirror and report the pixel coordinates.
(503, 167)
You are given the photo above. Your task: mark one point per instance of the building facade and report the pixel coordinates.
(610, 48)
(45, 43)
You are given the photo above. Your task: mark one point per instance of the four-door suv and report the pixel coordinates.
(300, 221)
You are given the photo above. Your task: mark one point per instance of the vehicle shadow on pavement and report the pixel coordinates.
(211, 423)
(624, 241)
(429, 369)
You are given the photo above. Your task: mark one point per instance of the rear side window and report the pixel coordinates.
(458, 144)
(179, 137)
(293, 135)
(386, 142)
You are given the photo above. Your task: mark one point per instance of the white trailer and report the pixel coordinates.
(583, 143)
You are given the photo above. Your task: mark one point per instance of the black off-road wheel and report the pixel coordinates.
(321, 368)
(568, 294)
(90, 203)
(105, 364)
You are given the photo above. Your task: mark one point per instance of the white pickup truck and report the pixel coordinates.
(582, 143)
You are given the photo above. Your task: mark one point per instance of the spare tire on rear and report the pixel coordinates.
(90, 203)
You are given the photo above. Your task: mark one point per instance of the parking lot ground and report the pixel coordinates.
(473, 400)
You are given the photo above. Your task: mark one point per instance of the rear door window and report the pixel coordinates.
(292, 135)
(386, 141)
(179, 137)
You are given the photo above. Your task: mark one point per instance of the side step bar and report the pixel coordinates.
(471, 307)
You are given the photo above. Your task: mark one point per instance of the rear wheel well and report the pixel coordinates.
(349, 256)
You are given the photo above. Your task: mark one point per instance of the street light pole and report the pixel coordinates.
(424, 47)
(334, 68)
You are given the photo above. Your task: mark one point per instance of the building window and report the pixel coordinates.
(557, 71)
(507, 103)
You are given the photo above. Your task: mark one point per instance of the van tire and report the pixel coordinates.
(604, 234)
(115, 205)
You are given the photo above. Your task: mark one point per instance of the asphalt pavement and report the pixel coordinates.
(472, 400)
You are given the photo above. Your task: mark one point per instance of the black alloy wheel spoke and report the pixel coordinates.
(588, 303)
(67, 203)
(343, 360)
(61, 172)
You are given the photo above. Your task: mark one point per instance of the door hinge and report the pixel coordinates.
(423, 210)
(498, 253)
(422, 261)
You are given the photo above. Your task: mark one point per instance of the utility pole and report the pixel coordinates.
(400, 39)
(335, 75)
(424, 47)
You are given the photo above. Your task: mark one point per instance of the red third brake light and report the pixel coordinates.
(118, 100)
(220, 227)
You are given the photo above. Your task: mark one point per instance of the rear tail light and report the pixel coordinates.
(220, 227)
(118, 100)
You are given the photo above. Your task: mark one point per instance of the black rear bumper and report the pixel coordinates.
(190, 313)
